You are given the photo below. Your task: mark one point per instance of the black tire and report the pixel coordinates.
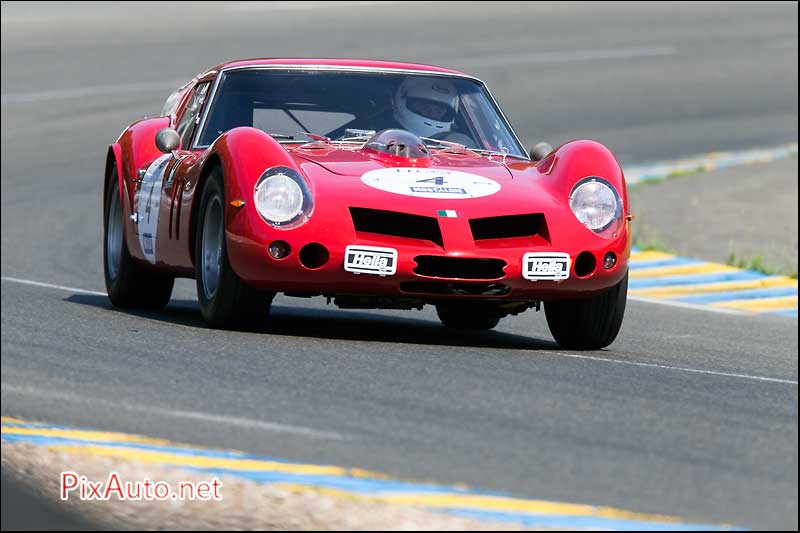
(472, 316)
(231, 303)
(129, 284)
(591, 323)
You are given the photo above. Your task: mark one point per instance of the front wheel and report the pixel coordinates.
(590, 323)
(226, 301)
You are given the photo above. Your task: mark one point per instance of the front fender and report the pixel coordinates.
(134, 149)
(244, 154)
(559, 172)
(576, 160)
(571, 162)
(137, 147)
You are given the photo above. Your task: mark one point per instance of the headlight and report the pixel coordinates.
(282, 198)
(595, 203)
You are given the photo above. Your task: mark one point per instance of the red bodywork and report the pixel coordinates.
(333, 176)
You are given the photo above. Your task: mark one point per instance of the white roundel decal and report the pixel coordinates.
(430, 183)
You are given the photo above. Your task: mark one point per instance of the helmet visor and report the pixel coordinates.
(430, 109)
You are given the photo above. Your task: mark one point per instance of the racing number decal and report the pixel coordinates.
(148, 200)
(430, 183)
(439, 180)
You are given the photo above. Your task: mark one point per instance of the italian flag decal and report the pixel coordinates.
(447, 213)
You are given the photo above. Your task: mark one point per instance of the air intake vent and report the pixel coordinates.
(508, 227)
(396, 224)
(459, 267)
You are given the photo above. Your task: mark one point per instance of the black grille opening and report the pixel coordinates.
(314, 255)
(459, 267)
(455, 288)
(396, 224)
(508, 227)
(585, 264)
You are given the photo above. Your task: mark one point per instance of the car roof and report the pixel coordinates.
(330, 62)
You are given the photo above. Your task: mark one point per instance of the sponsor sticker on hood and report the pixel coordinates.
(430, 183)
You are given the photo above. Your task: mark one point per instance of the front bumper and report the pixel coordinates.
(251, 261)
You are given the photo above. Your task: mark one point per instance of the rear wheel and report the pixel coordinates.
(590, 323)
(128, 283)
(226, 301)
(475, 316)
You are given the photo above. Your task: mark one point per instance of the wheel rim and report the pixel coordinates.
(212, 247)
(114, 237)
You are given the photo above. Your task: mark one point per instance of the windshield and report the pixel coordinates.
(336, 104)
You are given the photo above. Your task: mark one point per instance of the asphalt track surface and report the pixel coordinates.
(689, 413)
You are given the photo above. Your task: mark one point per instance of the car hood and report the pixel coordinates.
(466, 182)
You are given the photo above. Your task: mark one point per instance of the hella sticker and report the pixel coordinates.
(541, 266)
(370, 260)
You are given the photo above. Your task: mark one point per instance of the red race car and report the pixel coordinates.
(376, 184)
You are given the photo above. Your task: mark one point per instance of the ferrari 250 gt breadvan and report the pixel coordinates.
(375, 184)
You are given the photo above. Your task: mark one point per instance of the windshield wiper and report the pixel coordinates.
(280, 136)
(480, 151)
(494, 152)
(446, 144)
(356, 135)
(360, 136)
(315, 137)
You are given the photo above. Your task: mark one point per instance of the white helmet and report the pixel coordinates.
(426, 106)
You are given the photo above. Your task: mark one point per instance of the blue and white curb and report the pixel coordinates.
(706, 162)
(667, 278)
(334, 481)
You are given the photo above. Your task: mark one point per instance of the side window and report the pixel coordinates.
(188, 121)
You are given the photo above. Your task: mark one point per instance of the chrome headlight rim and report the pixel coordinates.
(306, 208)
(615, 218)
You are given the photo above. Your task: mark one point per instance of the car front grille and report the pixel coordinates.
(506, 227)
(459, 267)
(396, 224)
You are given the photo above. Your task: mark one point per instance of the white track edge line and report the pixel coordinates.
(674, 368)
(276, 427)
(51, 286)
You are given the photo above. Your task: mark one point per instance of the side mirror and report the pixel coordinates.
(167, 140)
(540, 151)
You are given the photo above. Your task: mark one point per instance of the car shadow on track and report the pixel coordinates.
(336, 324)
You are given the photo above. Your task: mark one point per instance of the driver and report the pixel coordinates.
(426, 106)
